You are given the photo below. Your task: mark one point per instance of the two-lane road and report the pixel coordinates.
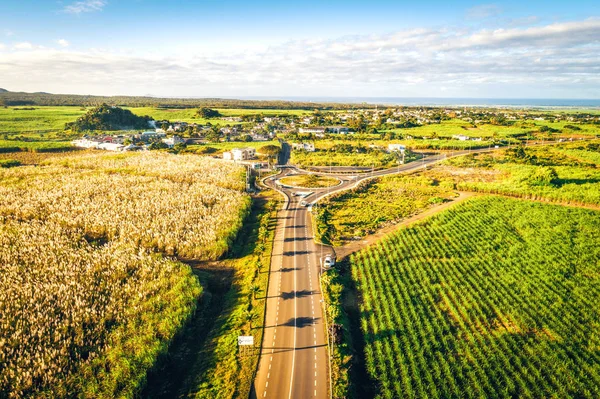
(294, 357)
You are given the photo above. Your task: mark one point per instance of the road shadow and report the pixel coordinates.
(296, 226)
(294, 253)
(292, 239)
(296, 294)
(298, 322)
(288, 269)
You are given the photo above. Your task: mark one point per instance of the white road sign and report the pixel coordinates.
(245, 340)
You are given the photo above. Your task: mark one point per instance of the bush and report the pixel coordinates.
(9, 163)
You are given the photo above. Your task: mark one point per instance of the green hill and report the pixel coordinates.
(108, 117)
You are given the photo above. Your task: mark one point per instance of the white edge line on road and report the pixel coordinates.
(295, 306)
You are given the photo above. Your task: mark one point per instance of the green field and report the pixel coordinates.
(34, 146)
(22, 121)
(453, 127)
(374, 204)
(46, 119)
(495, 298)
(377, 159)
(567, 173)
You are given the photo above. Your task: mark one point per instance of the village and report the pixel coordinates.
(304, 130)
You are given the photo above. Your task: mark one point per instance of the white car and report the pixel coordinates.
(328, 261)
(303, 203)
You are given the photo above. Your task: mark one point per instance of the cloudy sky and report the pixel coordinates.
(218, 48)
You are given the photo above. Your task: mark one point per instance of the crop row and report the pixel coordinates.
(495, 298)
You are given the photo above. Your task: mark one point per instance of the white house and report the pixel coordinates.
(338, 129)
(309, 147)
(240, 154)
(397, 147)
(86, 143)
(316, 129)
(172, 141)
(461, 137)
(111, 147)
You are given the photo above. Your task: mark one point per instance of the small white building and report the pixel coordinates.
(461, 137)
(111, 147)
(240, 154)
(315, 130)
(338, 129)
(397, 147)
(86, 143)
(173, 141)
(309, 147)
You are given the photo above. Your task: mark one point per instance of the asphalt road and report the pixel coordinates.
(294, 357)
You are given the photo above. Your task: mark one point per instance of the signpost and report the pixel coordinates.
(245, 341)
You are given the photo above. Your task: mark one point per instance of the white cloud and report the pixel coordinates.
(558, 58)
(83, 6)
(63, 42)
(2, 46)
(23, 46)
(8, 33)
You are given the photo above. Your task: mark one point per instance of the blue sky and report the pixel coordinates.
(527, 49)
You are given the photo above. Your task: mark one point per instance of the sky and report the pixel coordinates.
(277, 49)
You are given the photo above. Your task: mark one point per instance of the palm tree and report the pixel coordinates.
(250, 317)
(254, 289)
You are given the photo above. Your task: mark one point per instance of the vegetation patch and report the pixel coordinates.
(493, 298)
(567, 173)
(309, 181)
(374, 204)
(8, 146)
(9, 163)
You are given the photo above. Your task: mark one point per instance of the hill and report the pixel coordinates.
(108, 117)
(3, 90)
(21, 98)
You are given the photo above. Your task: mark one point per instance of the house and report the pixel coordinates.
(173, 141)
(315, 130)
(86, 143)
(396, 147)
(461, 137)
(338, 129)
(111, 147)
(259, 137)
(240, 154)
(146, 136)
(309, 147)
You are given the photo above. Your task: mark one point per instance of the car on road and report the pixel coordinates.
(303, 203)
(328, 261)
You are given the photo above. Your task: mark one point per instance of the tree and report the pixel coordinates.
(250, 316)
(254, 289)
(208, 113)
